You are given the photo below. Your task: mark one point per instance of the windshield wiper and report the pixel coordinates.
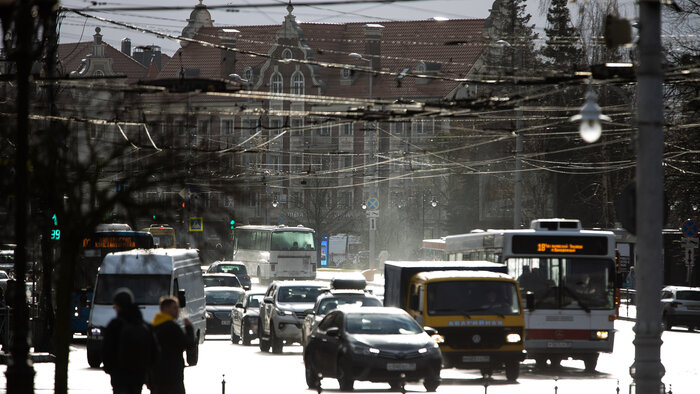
(577, 298)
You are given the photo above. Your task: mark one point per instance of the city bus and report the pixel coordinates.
(276, 252)
(568, 277)
(163, 235)
(94, 248)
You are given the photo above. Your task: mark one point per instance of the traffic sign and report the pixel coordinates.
(372, 204)
(690, 228)
(196, 224)
(372, 214)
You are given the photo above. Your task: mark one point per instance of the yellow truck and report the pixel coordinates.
(472, 309)
(163, 235)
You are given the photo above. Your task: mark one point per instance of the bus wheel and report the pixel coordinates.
(590, 362)
(555, 361)
(512, 370)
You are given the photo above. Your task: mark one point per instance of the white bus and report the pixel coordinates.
(568, 277)
(276, 252)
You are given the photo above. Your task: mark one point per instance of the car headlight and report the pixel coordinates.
(513, 338)
(438, 338)
(285, 313)
(95, 331)
(207, 315)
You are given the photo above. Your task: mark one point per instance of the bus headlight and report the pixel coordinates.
(207, 315)
(95, 331)
(513, 338)
(602, 334)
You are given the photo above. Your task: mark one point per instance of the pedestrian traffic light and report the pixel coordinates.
(233, 224)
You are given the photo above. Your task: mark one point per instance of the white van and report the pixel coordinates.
(149, 274)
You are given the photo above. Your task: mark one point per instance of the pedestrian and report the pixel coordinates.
(129, 348)
(631, 276)
(167, 376)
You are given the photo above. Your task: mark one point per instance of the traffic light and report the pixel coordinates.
(55, 230)
(233, 224)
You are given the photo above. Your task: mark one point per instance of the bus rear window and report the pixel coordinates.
(292, 240)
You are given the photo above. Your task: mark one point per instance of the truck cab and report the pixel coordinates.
(473, 309)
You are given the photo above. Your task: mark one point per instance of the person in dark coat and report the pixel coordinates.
(168, 374)
(125, 379)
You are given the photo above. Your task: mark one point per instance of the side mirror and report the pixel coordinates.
(430, 331)
(333, 332)
(309, 312)
(530, 301)
(181, 298)
(239, 305)
(268, 300)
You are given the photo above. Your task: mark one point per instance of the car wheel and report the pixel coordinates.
(193, 355)
(264, 344)
(277, 343)
(431, 383)
(541, 362)
(691, 328)
(666, 323)
(590, 362)
(312, 379)
(486, 372)
(94, 358)
(345, 378)
(245, 333)
(234, 338)
(512, 370)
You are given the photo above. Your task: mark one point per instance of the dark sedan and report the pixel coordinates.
(244, 318)
(220, 301)
(374, 344)
(232, 267)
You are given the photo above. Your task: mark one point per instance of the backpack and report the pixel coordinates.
(138, 348)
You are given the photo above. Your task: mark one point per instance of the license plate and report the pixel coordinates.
(226, 322)
(401, 366)
(476, 359)
(558, 345)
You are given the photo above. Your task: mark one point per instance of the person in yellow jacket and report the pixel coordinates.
(167, 375)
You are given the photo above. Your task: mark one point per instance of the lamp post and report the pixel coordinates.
(590, 117)
(434, 204)
(372, 229)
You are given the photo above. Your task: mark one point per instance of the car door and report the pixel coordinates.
(327, 352)
(266, 309)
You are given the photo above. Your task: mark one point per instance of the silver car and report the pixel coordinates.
(681, 307)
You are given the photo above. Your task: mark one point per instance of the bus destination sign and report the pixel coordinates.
(109, 243)
(547, 244)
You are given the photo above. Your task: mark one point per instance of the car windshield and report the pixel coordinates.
(255, 300)
(228, 268)
(473, 297)
(378, 324)
(223, 297)
(292, 240)
(299, 293)
(147, 289)
(689, 295)
(328, 304)
(226, 281)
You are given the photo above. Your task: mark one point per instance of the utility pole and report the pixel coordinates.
(647, 369)
(20, 374)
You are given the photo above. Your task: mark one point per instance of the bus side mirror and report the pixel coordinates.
(181, 298)
(530, 301)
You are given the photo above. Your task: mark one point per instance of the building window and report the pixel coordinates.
(275, 126)
(181, 129)
(227, 126)
(346, 129)
(248, 74)
(345, 73)
(426, 126)
(287, 54)
(348, 161)
(298, 83)
(276, 84)
(250, 124)
(397, 128)
(297, 124)
(324, 129)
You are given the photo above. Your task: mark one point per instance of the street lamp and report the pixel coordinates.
(356, 55)
(590, 117)
(434, 204)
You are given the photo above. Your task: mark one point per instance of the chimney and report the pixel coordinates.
(126, 46)
(228, 38)
(373, 44)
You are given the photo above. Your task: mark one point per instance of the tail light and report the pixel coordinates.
(675, 304)
(246, 277)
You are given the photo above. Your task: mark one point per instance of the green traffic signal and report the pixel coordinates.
(233, 223)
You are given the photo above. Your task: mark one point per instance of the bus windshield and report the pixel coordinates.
(292, 240)
(566, 283)
(472, 298)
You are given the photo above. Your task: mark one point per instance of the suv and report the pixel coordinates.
(343, 293)
(681, 307)
(231, 267)
(283, 311)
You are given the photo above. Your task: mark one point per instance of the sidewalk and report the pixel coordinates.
(628, 312)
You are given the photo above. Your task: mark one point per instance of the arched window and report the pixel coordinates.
(298, 83)
(287, 54)
(276, 84)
